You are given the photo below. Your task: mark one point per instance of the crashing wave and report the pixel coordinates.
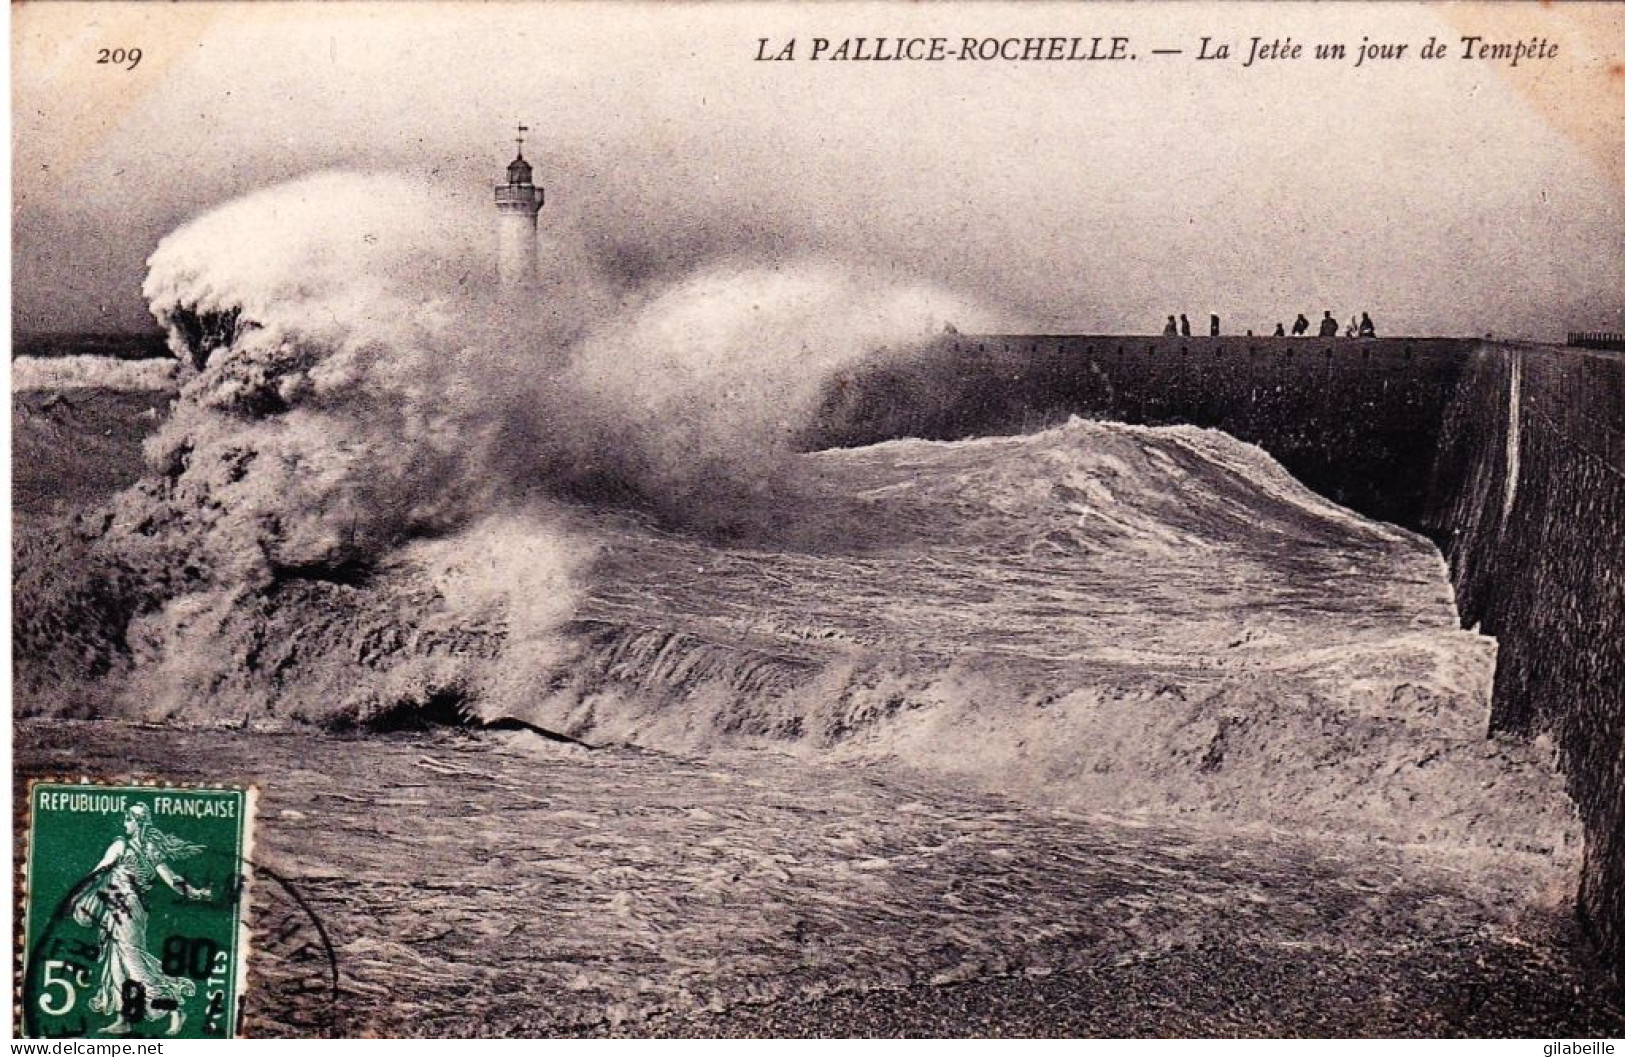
(383, 493)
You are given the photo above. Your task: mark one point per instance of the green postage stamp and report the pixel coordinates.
(134, 910)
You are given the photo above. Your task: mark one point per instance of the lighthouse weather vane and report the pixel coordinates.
(520, 139)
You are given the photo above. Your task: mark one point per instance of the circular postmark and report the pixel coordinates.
(291, 986)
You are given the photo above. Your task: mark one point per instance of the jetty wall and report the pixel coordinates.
(1511, 457)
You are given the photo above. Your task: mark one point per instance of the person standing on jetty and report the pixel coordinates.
(1184, 325)
(1300, 326)
(1171, 330)
(1328, 325)
(1368, 329)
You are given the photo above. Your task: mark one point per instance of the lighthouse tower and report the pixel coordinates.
(518, 202)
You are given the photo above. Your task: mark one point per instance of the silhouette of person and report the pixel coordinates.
(1368, 329)
(1213, 325)
(1300, 325)
(1184, 325)
(1171, 329)
(1352, 329)
(1328, 325)
(1280, 329)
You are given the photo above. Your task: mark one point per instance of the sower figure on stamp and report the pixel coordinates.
(130, 982)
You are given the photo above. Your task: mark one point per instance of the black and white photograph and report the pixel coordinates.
(849, 520)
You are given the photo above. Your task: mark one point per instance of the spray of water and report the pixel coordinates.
(352, 382)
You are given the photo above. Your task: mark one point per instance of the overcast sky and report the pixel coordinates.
(1451, 196)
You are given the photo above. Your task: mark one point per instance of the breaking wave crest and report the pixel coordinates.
(385, 491)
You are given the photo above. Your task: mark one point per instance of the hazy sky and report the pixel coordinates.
(1448, 196)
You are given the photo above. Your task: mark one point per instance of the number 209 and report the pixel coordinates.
(125, 57)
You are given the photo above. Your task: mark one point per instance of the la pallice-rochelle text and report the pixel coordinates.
(944, 49)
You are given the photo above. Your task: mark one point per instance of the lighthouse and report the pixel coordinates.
(518, 202)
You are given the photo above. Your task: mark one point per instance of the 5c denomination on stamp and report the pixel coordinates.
(134, 905)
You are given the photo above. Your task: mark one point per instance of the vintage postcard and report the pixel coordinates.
(778, 520)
